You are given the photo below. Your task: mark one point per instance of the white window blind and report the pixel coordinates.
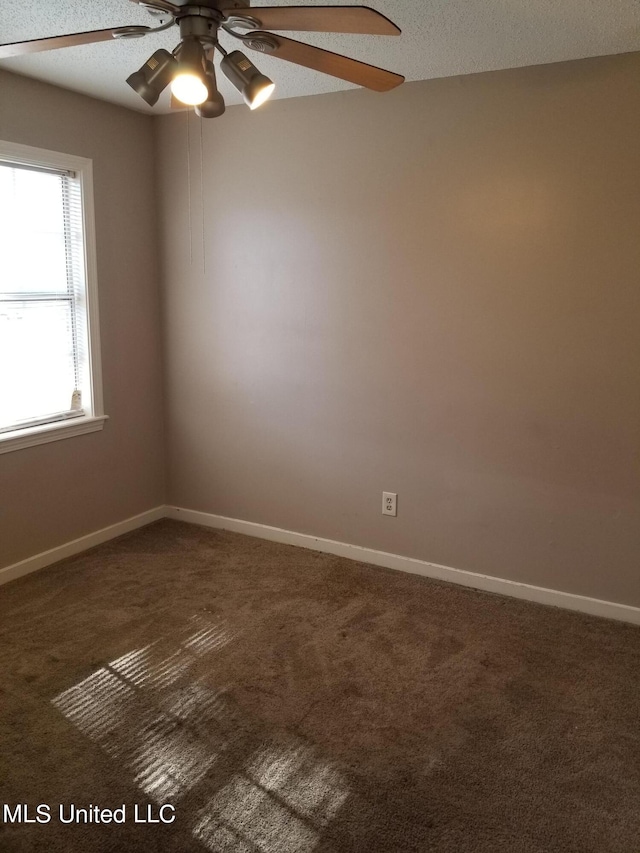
(43, 329)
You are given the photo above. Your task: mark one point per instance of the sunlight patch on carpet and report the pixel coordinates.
(281, 801)
(127, 708)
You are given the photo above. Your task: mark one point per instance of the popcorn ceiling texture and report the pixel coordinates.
(286, 701)
(440, 38)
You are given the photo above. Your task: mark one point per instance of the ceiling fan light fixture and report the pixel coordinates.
(254, 87)
(214, 106)
(260, 90)
(200, 22)
(189, 83)
(154, 76)
(189, 89)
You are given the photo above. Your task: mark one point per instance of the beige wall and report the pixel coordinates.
(433, 292)
(56, 492)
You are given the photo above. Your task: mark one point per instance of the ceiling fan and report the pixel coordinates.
(189, 67)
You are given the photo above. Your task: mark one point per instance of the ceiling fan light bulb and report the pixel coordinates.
(258, 91)
(189, 88)
(189, 83)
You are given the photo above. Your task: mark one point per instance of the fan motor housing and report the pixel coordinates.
(202, 19)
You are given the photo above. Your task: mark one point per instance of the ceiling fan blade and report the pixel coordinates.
(19, 48)
(369, 76)
(160, 5)
(322, 19)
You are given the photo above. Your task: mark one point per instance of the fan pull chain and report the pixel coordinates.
(204, 253)
(189, 187)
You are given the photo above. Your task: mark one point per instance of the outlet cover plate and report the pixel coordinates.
(389, 503)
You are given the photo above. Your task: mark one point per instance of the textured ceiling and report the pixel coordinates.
(439, 38)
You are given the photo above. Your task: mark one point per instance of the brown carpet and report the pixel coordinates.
(285, 701)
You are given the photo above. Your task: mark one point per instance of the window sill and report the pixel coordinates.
(49, 432)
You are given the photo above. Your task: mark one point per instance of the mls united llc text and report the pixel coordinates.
(70, 813)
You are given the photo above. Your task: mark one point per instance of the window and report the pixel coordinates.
(50, 385)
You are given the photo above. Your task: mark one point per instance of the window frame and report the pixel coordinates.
(17, 439)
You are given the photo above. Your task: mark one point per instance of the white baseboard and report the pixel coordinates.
(553, 597)
(540, 595)
(46, 558)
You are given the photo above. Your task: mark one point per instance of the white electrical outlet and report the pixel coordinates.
(389, 503)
